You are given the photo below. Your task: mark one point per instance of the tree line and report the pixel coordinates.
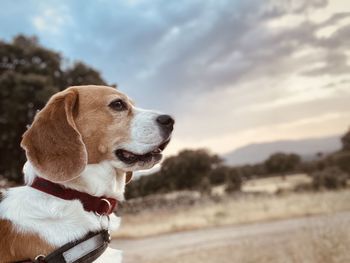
(200, 170)
(29, 75)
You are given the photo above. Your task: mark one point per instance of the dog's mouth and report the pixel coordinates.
(131, 158)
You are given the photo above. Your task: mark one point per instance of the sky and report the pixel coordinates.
(231, 72)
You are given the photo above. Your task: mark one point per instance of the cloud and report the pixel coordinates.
(52, 20)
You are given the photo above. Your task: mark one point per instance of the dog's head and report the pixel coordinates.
(90, 124)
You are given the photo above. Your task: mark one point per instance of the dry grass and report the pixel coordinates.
(234, 210)
(326, 242)
(277, 183)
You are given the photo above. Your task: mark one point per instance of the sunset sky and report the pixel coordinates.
(231, 72)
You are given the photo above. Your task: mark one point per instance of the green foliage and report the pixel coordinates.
(282, 163)
(342, 160)
(249, 171)
(233, 182)
(80, 74)
(186, 170)
(190, 169)
(309, 167)
(205, 186)
(219, 174)
(346, 141)
(329, 178)
(234, 176)
(29, 75)
(199, 170)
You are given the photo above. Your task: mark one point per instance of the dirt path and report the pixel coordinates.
(168, 247)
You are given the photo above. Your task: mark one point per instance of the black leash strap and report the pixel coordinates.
(85, 250)
(70, 253)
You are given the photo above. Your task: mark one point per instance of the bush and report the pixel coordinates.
(342, 160)
(329, 178)
(282, 163)
(189, 170)
(346, 141)
(219, 174)
(233, 183)
(205, 186)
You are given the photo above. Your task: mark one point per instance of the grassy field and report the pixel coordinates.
(231, 210)
(275, 184)
(324, 239)
(328, 242)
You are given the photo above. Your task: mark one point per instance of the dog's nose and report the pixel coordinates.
(166, 122)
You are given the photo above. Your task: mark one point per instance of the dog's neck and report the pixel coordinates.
(100, 179)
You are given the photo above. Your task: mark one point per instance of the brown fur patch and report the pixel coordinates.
(17, 246)
(52, 143)
(101, 127)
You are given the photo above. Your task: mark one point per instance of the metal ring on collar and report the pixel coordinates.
(39, 258)
(109, 207)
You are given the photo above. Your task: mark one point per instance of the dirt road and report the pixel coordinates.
(215, 244)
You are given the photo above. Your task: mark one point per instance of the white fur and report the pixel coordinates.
(56, 220)
(145, 134)
(101, 180)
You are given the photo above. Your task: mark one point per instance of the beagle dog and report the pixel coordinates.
(87, 139)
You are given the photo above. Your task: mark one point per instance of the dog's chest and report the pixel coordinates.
(44, 222)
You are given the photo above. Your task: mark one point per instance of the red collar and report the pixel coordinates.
(100, 205)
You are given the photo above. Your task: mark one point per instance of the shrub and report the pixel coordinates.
(219, 174)
(329, 178)
(187, 169)
(205, 186)
(346, 141)
(342, 160)
(282, 162)
(233, 183)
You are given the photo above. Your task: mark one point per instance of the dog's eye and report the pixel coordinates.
(118, 105)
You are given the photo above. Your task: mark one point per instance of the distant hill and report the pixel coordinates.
(258, 152)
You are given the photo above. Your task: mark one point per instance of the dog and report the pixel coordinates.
(86, 140)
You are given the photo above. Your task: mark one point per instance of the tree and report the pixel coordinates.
(29, 75)
(186, 170)
(233, 182)
(282, 162)
(190, 169)
(80, 74)
(346, 141)
(341, 158)
(329, 178)
(205, 186)
(219, 174)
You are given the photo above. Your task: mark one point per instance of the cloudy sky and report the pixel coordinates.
(232, 72)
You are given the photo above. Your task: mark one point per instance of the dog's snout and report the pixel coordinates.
(166, 122)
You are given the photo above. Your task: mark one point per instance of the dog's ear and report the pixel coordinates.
(128, 177)
(53, 143)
